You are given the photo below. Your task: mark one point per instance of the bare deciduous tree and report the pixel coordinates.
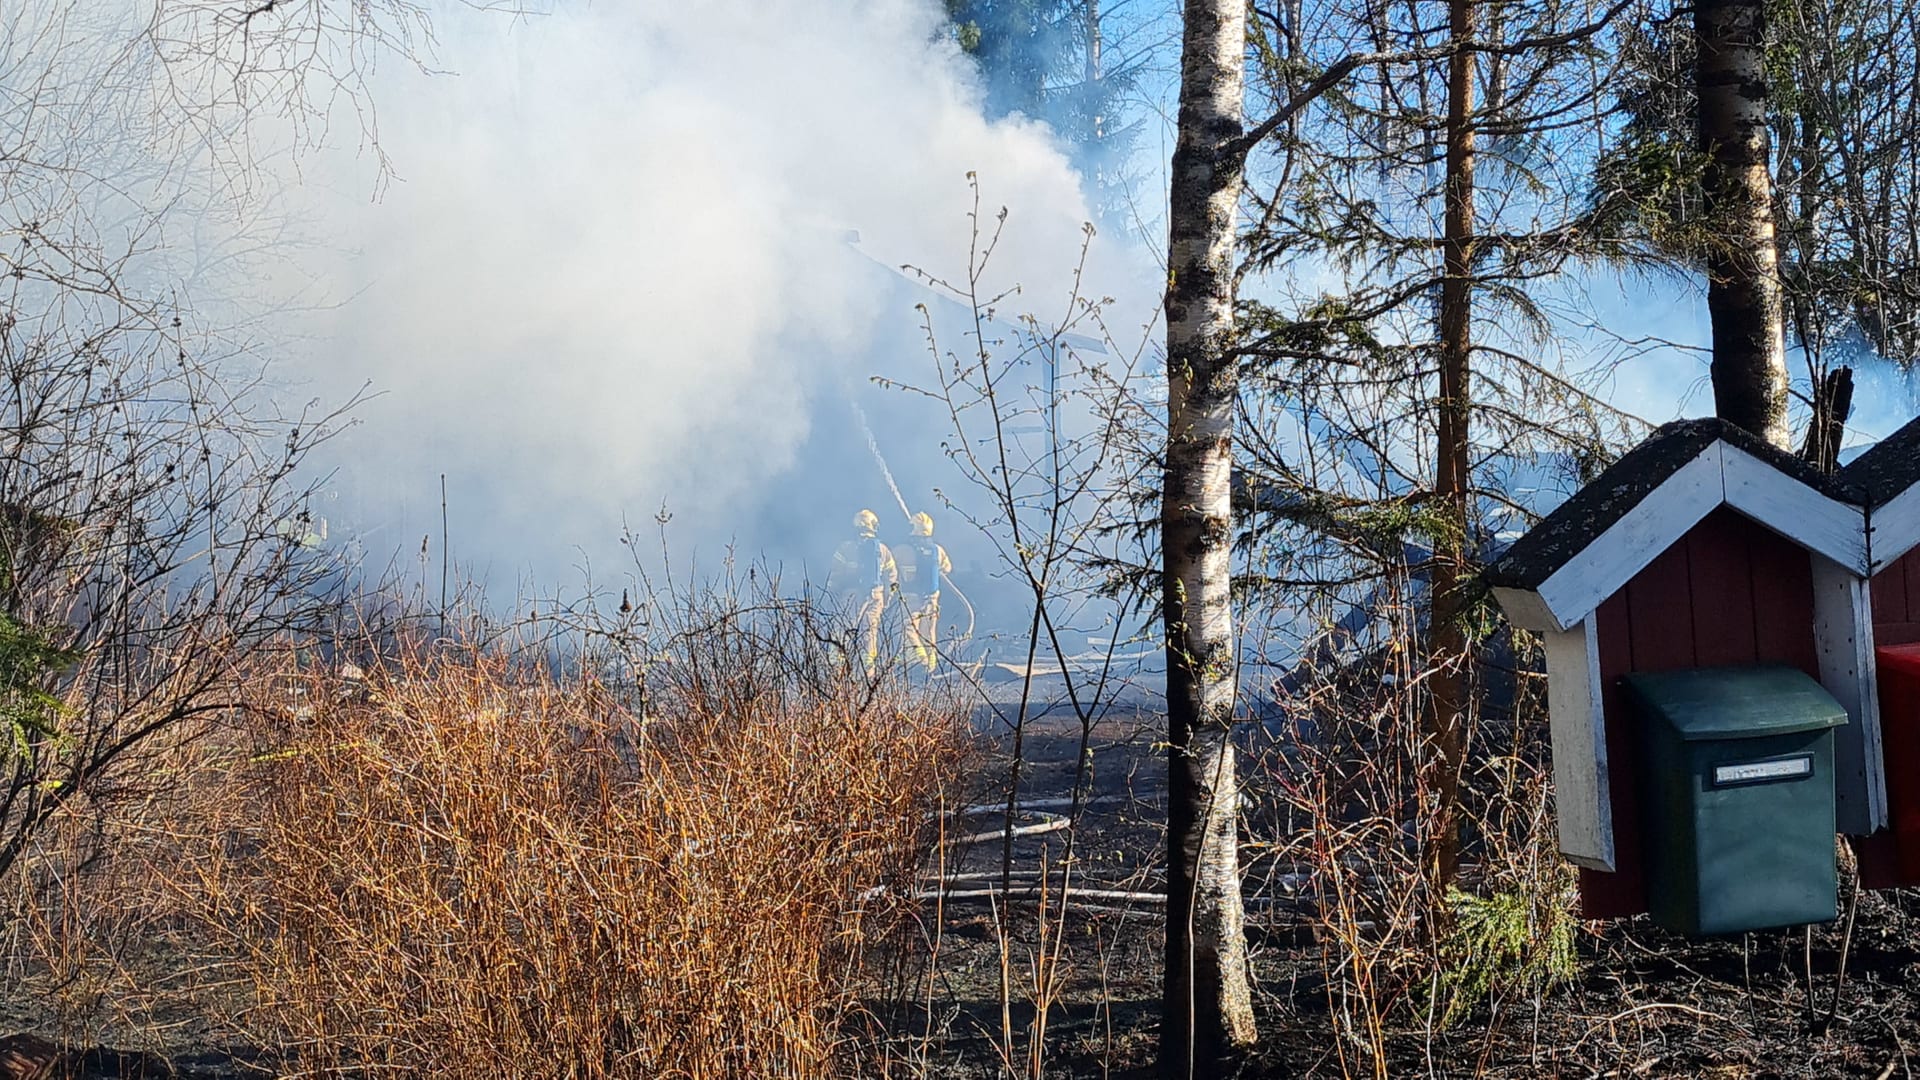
(154, 520)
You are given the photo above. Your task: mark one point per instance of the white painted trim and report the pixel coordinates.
(1721, 474)
(1582, 800)
(1598, 571)
(1843, 633)
(1525, 609)
(1893, 528)
(1796, 511)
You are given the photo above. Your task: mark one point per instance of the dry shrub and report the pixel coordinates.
(462, 867)
(1355, 788)
(101, 932)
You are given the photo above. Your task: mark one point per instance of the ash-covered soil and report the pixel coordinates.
(1644, 1003)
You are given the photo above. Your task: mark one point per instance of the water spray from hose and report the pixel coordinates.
(873, 445)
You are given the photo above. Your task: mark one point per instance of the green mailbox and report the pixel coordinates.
(1737, 810)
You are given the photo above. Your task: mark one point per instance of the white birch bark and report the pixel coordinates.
(1208, 1011)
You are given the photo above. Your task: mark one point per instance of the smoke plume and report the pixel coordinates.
(616, 268)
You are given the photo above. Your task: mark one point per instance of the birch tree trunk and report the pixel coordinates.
(1743, 260)
(1094, 71)
(1208, 1014)
(1093, 43)
(1451, 680)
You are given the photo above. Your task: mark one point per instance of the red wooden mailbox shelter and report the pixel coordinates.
(1888, 478)
(1702, 547)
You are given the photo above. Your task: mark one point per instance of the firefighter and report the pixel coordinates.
(863, 574)
(922, 562)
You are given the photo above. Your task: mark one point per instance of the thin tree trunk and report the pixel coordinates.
(1832, 404)
(1093, 41)
(1450, 682)
(1093, 70)
(1743, 260)
(1208, 1009)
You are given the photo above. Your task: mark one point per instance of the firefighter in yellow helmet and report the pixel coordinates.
(863, 574)
(922, 562)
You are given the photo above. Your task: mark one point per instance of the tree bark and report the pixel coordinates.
(1743, 257)
(1832, 404)
(1093, 41)
(1093, 68)
(1450, 682)
(1208, 1014)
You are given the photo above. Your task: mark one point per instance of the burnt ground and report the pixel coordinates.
(1645, 1002)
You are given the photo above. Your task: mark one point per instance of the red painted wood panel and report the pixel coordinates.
(1660, 613)
(1896, 621)
(1896, 601)
(1889, 588)
(1892, 856)
(1879, 860)
(1731, 592)
(1655, 625)
(1624, 892)
(1910, 572)
(1721, 588)
(1783, 601)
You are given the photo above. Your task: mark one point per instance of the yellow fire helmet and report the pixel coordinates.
(866, 521)
(922, 524)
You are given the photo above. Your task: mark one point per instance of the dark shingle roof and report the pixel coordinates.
(1593, 509)
(1889, 467)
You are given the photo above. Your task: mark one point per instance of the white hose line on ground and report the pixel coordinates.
(1048, 823)
(972, 621)
(1090, 899)
(1051, 802)
(1033, 891)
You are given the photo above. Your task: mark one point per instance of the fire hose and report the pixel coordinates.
(964, 602)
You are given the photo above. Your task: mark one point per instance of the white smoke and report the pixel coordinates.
(615, 270)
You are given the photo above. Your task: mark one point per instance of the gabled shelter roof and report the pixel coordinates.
(1889, 467)
(1589, 547)
(1888, 475)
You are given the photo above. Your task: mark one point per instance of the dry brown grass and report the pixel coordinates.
(465, 869)
(455, 861)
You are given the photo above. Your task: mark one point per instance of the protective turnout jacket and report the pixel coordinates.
(862, 565)
(922, 561)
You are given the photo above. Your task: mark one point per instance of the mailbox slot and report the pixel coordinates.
(1797, 767)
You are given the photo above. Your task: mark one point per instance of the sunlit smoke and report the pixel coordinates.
(618, 268)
